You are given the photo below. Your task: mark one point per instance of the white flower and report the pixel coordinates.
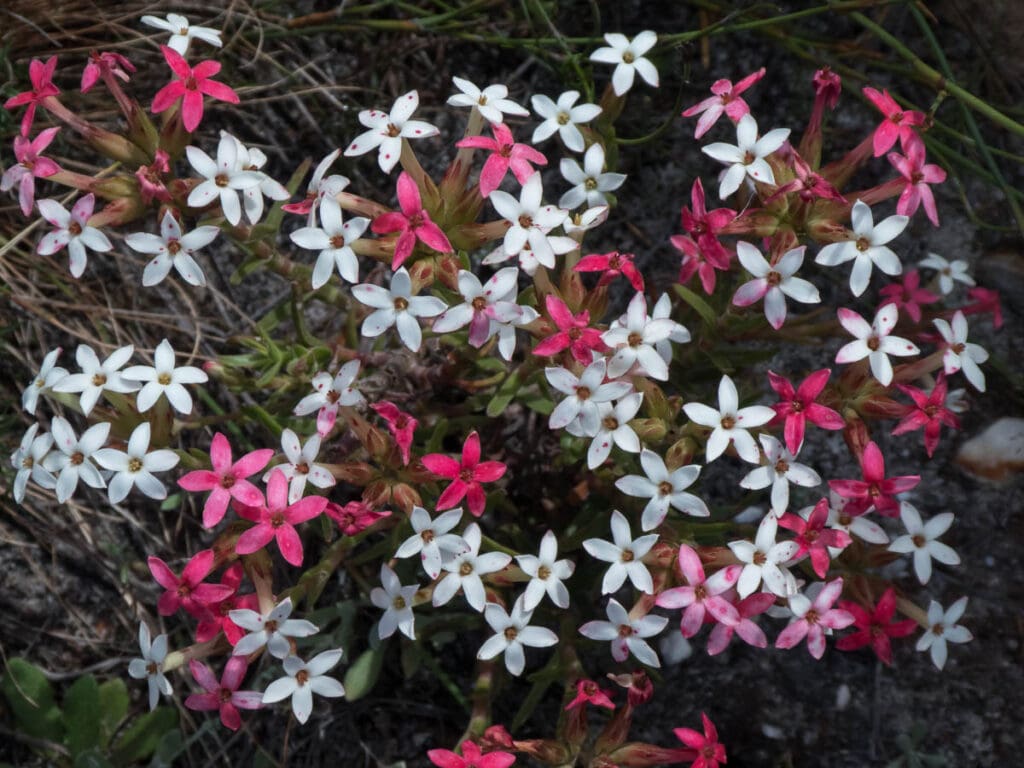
(625, 555)
(432, 540)
(949, 271)
(49, 374)
(491, 102)
(959, 353)
(396, 602)
(71, 229)
(922, 539)
(300, 465)
(135, 467)
(584, 393)
(333, 238)
(730, 423)
(224, 179)
(253, 159)
(96, 377)
(747, 157)
(664, 489)
(612, 427)
(72, 458)
(531, 222)
(28, 462)
(182, 32)
(773, 282)
(680, 335)
(162, 378)
(387, 131)
(397, 307)
(779, 471)
(563, 117)
(303, 680)
(867, 248)
(943, 628)
(627, 636)
(838, 520)
(465, 570)
(271, 630)
(320, 187)
(763, 560)
(628, 57)
(511, 633)
(874, 341)
(546, 574)
(487, 309)
(151, 665)
(172, 249)
(331, 393)
(576, 224)
(635, 341)
(591, 181)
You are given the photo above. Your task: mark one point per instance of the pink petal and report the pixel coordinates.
(255, 539)
(433, 236)
(192, 110)
(198, 567)
(163, 575)
(220, 453)
(488, 471)
(441, 465)
(252, 462)
(290, 544)
(216, 506)
(471, 450)
(408, 195)
(452, 495)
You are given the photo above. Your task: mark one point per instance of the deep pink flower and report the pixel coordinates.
(41, 76)
(354, 517)
(277, 520)
(573, 333)
(189, 88)
(898, 123)
(814, 537)
(695, 261)
(114, 63)
(701, 596)
(908, 295)
(798, 406)
(470, 758)
(827, 87)
(612, 264)
(917, 176)
(985, 300)
(812, 618)
(401, 425)
(928, 411)
(30, 166)
(215, 617)
(639, 688)
(223, 695)
(874, 628)
(188, 591)
(808, 184)
(749, 632)
(151, 183)
(709, 752)
(505, 154)
(412, 224)
(227, 480)
(875, 489)
(725, 98)
(704, 225)
(466, 476)
(589, 692)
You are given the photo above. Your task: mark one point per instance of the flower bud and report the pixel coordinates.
(650, 430)
(827, 86)
(637, 754)
(680, 453)
(496, 737)
(421, 273)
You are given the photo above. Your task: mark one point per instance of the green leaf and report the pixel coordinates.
(113, 708)
(170, 748)
(362, 675)
(412, 659)
(702, 307)
(31, 697)
(504, 395)
(142, 739)
(82, 715)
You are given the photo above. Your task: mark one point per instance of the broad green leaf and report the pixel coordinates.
(113, 708)
(508, 389)
(362, 675)
(82, 715)
(142, 739)
(31, 698)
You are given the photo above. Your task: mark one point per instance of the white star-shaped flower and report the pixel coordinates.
(773, 282)
(300, 466)
(182, 33)
(397, 307)
(223, 179)
(584, 393)
(319, 188)
(635, 342)
(331, 393)
(546, 574)
(628, 57)
(874, 341)
(253, 159)
(465, 570)
(151, 666)
(95, 377)
(28, 462)
(563, 116)
(662, 310)
(764, 561)
(626, 635)
(431, 539)
(163, 378)
(333, 238)
(590, 181)
(49, 374)
(730, 423)
(396, 602)
(172, 249)
(487, 309)
(867, 248)
(72, 458)
(959, 353)
(134, 468)
(779, 471)
(943, 628)
(388, 129)
(72, 229)
(664, 489)
(949, 271)
(922, 539)
(492, 102)
(302, 680)
(747, 157)
(511, 633)
(531, 222)
(271, 630)
(612, 427)
(625, 555)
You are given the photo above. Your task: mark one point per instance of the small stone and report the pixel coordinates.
(773, 732)
(997, 454)
(674, 649)
(842, 697)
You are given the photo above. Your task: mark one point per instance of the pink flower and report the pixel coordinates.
(709, 752)
(799, 406)
(874, 628)
(223, 695)
(812, 618)
(30, 167)
(814, 537)
(505, 154)
(574, 333)
(897, 123)
(190, 86)
(466, 476)
(412, 224)
(216, 618)
(151, 185)
(701, 596)
(277, 520)
(696, 261)
(928, 411)
(401, 425)
(909, 295)
(41, 76)
(188, 591)
(354, 517)
(917, 176)
(726, 99)
(114, 63)
(703, 225)
(470, 758)
(749, 632)
(612, 264)
(827, 87)
(227, 480)
(808, 184)
(985, 300)
(875, 489)
(588, 692)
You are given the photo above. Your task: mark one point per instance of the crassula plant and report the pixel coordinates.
(488, 297)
